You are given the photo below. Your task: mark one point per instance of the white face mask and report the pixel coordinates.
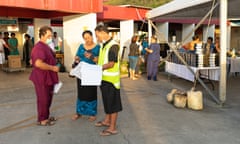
(49, 40)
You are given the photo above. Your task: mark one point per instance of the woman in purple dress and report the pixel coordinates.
(44, 75)
(153, 59)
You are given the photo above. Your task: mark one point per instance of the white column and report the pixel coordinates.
(37, 24)
(126, 33)
(223, 44)
(73, 26)
(164, 30)
(208, 32)
(187, 29)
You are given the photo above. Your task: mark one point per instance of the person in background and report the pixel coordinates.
(133, 57)
(87, 95)
(190, 46)
(195, 40)
(27, 48)
(13, 44)
(57, 42)
(110, 87)
(44, 76)
(138, 69)
(210, 48)
(153, 59)
(2, 45)
(6, 49)
(144, 54)
(217, 44)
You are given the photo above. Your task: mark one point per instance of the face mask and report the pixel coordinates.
(49, 40)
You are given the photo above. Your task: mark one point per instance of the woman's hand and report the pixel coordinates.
(55, 68)
(148, 50)
(77, 59)
(87, 55)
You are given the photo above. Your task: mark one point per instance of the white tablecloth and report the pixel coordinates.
(212, 73)
(2, 58)
(234, 64)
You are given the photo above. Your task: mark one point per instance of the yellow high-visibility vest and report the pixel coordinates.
(111, 75)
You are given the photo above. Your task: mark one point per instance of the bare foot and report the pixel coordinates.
(76, 116)
(134, 78)
(45, 123)
(92, 118)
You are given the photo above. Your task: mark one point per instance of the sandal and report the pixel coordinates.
(108, 133)
(101, 124)
(48, 123)
(76, 116)
(92, 118)
(52, 118)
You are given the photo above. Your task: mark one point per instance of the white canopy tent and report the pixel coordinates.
(184, 9)
(174, 6)
(196, 9)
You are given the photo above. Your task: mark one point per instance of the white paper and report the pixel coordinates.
(57, 87)
(76, 71)
(88, 73)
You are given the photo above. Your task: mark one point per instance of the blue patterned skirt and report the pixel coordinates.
(86, 107)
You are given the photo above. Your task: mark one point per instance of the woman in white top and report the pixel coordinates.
(2, 44)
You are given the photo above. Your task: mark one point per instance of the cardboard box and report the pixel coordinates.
(14, 61)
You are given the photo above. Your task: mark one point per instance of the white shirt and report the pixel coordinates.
(56, 41)
(2, 43)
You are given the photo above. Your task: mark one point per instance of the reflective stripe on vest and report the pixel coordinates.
(110, 73)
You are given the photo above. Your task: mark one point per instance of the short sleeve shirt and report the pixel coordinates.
(81, 50)
(44, 77)
(113, 52)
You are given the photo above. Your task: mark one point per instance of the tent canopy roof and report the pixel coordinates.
(191, 9)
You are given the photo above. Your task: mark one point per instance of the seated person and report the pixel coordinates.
(190, 47)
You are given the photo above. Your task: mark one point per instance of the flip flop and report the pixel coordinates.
(101, 124)
(48, 123)
(108, 133)
(52, 118)
(92, 118)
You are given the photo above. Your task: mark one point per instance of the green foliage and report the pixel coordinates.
(145, 3)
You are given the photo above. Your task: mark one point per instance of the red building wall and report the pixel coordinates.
(43, 8)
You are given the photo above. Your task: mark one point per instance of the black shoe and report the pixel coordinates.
(155, 78)
(149, 78)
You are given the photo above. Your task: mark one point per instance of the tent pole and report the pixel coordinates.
(149, 31)
(223, 44)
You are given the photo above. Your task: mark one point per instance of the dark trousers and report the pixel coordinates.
(6, 52)
(44, 100)
(27, 58)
